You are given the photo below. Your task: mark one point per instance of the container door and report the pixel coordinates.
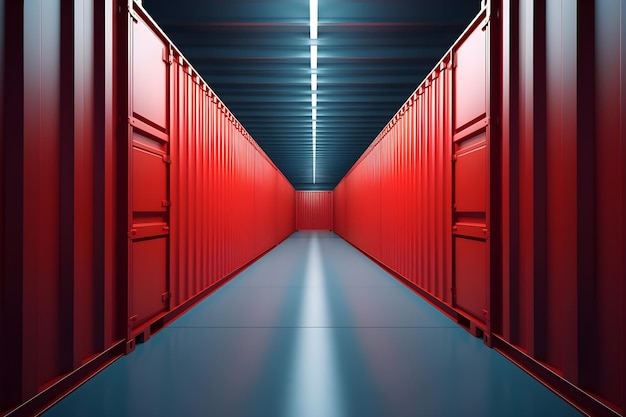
(471, 178)
(149, 176)
(470, 231)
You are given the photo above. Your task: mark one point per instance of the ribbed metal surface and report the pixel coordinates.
(563, 263)
(229, 203)
(395, 204)
(59, 252)
(125, 193)
(314, 210)
(513, 230)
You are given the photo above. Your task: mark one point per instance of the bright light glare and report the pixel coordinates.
(313, 56)
(315, 387)
(313, 14)
(314, 127)
(314, 162)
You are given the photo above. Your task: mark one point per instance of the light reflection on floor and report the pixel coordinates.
(313, 328)
(313, 388)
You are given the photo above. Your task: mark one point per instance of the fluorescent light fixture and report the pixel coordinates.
(313, 12)
(313, 15)
(314, 161)
(313, 56)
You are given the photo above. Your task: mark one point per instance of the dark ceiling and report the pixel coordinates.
(255, 55)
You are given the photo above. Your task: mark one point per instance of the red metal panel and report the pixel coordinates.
(560, 249)
(223, 187)
(469, 84)
(149, 160)
(149, 182)
(561, 178)
(471, 270)
(57, 199)
(314, 210)
(555, 200)
(149, 281)
(85, 324)
(509, 181)
(471, 176)
(532, 174)
(394, 192)
(149, 91)
(105, 205)
(610, 185)
(41, 191)
(571, 192)
(398, 197)
(177, 190)
(226, 194)
(93, 209)
(286, 213)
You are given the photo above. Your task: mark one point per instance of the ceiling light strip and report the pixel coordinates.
(313, 13)
(313, 57)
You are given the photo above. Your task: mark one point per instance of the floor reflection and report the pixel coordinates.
(314, 385)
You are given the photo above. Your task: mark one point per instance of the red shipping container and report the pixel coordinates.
(108, 233)
(314, 210)
(509, 160)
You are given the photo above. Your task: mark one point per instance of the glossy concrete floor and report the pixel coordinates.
(316, 329)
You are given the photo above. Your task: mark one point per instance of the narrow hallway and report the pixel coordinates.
(313, 328)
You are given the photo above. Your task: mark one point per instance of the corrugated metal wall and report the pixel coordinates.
(497, 192)
(314, 210)
(230, 204)
(59, 299)
(563, 158)
(396, 202)
(109, 230)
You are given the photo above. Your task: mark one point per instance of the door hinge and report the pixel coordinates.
(166, 296)
(168, 57)
(167, 159)
(166, 203)
(453, 158)
(132, 232)
(133, 318)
